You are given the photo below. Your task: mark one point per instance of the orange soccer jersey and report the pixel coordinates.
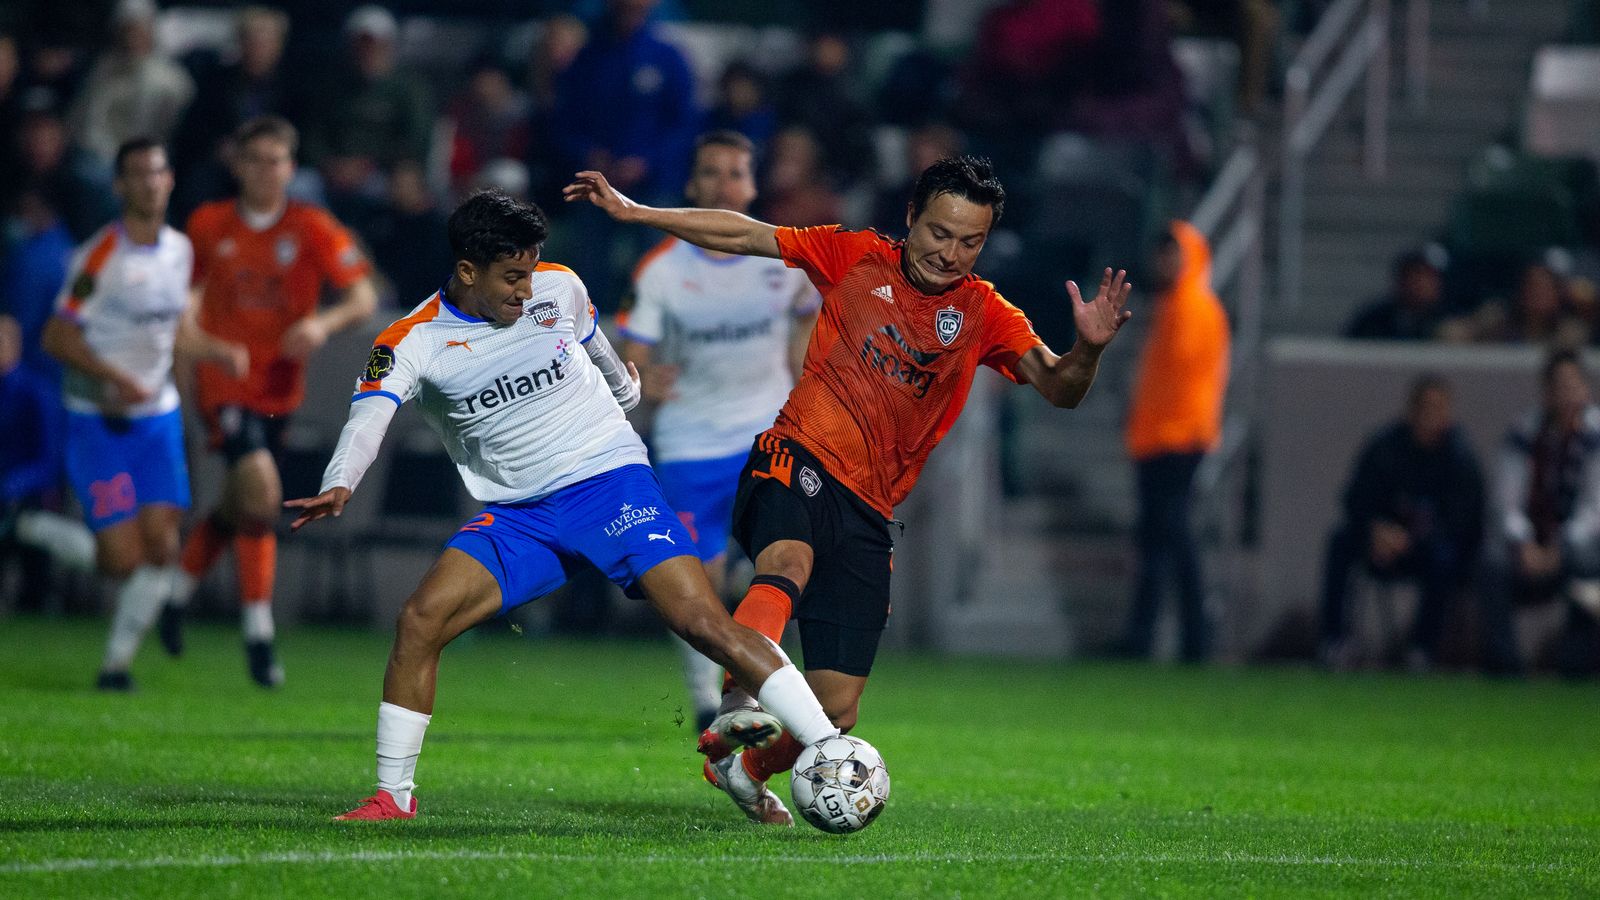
(257, 284)
(888, 368)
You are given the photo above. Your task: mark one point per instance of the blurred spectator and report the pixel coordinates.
(1174, 420)
(820, 97)
(1546, 546)
(1135, 88)
(53, 66)
(625, 107)
(30, 445)
(489, 119)
(924, 147)
(33, 270)
(1253, 25)
(1413, 310)
(1027, 63)
(408, 238)
(10, 101)
(795, 191)
(1413, 511)
(559, 41)
(248, 85)
(371, 116)
(132, 91)
(1539, 313)
(742, 104)
(48, 163)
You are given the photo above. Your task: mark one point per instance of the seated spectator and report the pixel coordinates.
(1540, 313)
(50, 164)
(251, 83)
(795, 191)
(370, 117)
(10, 100)
(407, 237)
(132, 91)
(560, 39)
(1413, 511)
(488, 120)
(819, 96)
(742, 104)
(924, 147)
(1027, 63)
(1546, 546)
(1413, 310)
(1134, 89)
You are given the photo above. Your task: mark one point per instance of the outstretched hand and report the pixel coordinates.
(328, 503)
(593, 187)
(1099, 319)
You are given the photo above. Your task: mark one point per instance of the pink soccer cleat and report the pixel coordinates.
(378, 807)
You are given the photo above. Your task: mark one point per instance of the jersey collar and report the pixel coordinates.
(444, 298)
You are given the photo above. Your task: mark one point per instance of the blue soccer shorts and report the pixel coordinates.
(702, 492)
(117, 465)
(617, 520)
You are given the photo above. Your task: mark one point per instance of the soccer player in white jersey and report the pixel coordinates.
(507, 363)
(719, 339)
(115, 326)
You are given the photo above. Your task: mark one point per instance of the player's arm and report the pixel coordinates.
(1064, 380)
(63, 339)
(358, 445)
(714, 229)
(622, 378)
(356, 304)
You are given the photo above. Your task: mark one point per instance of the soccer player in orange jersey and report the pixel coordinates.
(904, 326)
(260, 265)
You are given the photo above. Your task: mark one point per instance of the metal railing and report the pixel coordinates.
(1350, 42)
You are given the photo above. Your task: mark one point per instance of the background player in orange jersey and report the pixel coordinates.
(904, 326)
(261, 263)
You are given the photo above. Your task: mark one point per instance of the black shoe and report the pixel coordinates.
(121, 682)
(170, 628)
(264, 666)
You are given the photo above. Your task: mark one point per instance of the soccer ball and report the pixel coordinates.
(840, 784)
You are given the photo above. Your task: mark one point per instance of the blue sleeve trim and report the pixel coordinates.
(637, 337)
(593, 327)
(362, 395)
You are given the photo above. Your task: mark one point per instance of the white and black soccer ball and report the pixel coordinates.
(840, 785)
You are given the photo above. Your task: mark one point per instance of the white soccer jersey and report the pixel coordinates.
(521, 408)
(128, 298)
(726, 323)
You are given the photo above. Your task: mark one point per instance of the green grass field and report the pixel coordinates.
(563, 768)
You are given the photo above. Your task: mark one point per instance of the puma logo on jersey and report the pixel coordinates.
(885, 293)
(459, 344)
(663, 537)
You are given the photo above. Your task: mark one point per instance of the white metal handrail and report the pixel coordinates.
(1350, 42)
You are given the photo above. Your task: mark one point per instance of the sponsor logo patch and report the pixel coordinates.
(545, 313)
(630, 516)
(947, 324)
(810, 481)
(380, 363)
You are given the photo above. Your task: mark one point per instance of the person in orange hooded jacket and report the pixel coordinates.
(1174, 420)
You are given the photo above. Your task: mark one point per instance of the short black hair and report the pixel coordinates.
(269, 126)
(725, 137)
(1558, 358)
(969, 177)
(491, 225)
(129, 148)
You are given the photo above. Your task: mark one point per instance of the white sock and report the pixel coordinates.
(138, 600)
(183, 585)
(786, 695)
(256, 618)
(400, 733)
(702, 676)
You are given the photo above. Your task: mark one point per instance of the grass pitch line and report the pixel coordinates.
(358, 857)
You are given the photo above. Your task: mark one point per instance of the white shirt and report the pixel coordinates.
(726, 324)
(522, 409)
(128, 298)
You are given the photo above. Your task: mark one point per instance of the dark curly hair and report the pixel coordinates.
(492, 225)
(969, 177)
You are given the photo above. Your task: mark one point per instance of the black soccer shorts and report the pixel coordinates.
(786, 494)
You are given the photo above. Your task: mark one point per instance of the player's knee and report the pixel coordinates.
(422, 621)
(118, 561)
(843, 714)
(789, 559)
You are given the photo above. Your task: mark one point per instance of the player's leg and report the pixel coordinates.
(251, 501)
(701, 676)
(214, 532)
(119, 556)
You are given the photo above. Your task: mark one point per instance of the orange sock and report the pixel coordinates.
(206, 542)
(766, 608)
(258, 565)
(764, 762)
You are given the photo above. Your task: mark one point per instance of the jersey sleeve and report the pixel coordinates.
(646, 322)
(585, 318)
(82, 284)
(394, 367)
(823, 252)
(1007, 335)
(338, 255)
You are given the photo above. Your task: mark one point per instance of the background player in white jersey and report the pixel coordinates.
(719, 339)
(115, 326)
(508, 365)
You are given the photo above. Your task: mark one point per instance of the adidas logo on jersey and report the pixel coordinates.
(885, 293)
(507, 389)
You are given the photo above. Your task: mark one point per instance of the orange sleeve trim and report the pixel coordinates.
(651, 255)
(552, 267)
(96, 260)
(391, 337)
